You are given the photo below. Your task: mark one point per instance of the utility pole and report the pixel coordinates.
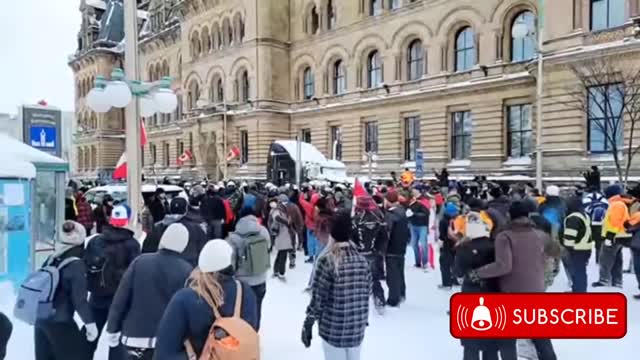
(132, 118)
(539, 93)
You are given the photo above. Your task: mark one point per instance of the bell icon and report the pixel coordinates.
(481, 320)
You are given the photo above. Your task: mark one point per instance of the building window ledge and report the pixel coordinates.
(461, 163)
(519, 161)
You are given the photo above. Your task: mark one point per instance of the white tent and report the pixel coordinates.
(12, 168)
(17, 150)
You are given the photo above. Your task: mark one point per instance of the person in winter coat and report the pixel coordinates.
(297, 224)
(146, 218)
(107, 257)
(474, 251)
(398, 229)
(308, 206)
(59, 338)
(596, 207)
(371, 240)
(211, 293)
(180, 212)
(418, 216)
(340, 296)
(144, 293)
(213, 212)
(554, 210)
(6, 328)
(70, 210)
(158, 205)
(577, 240)
(448, 245)
(283, 234)
(632, 226)
(102, 213)
(614, 236)
(85, 213)
(521, 253)
(246, 227)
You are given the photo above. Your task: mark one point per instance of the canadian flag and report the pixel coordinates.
(120, 171)
(233, 153)
(186, 156)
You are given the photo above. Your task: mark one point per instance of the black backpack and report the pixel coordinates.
(368, 228)
(106, 263)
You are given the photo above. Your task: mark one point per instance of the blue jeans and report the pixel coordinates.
(578, 268)
(419, 240)
(333, 353)
(321, 252)
(312, 244)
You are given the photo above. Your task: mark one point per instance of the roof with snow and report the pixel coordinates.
(12, 168)
(309, 153)
(20, 151)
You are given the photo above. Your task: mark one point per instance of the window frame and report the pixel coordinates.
(461, 135)
(336, 137)
(394, 5)
(523, 42)
(244, 147)
(244, 87)
(375, 7)
(521, 130)
(411, 140)
(465, 30)
(608, 5)
(308, 84)
(415, 49)
(305, 135)
(371, 136)
(332, 18)
(339, 77)
(374, 67)
(166, 153)
(608, 147)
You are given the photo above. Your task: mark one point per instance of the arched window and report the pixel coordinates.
(227, 32)
(206, 41)
(216, 40)
(244, 86)
(331, 15)
(193, 94)
(308, 83)
(80, 167)
(195, 44)
(375, 7)
(465, 49)
(219, 91)
(313, 21)
(238, 24)
(524, 48)
(339, 78)
(415, 64)
(606, 14)
(374, 70)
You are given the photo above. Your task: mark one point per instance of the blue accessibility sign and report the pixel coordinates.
(43, 137)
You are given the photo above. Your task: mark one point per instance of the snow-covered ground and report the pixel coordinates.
(417, 330)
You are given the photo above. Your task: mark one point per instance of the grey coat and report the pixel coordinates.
(238, 240)
(279, 227)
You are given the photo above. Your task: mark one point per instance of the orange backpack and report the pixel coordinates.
(230, 338)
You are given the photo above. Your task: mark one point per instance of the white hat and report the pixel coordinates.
(175, 238)
(553, 190)
(215, 256)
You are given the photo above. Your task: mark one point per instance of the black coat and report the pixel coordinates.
(398, 226)
(420, 214)
(144, 293)
(197, 235)
(158, 209)
(5, 333)
(443, 232)
(102, 214)
(212, 208)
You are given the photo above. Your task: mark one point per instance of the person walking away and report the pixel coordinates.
(613, 235)
(158, 205)
(107, 257)
(58, 338)
(475, 250)
(197, 312)
(283, 235)
(418, 216)
(297, 224)
(398, 228)
(578, 242)
(6, 328)
(70, 210)
(498, 201)
(213, 213)
(371, 240)
(554, 210)
(633, 227)
(448, 244)
(103, 212)
(322, 229)
(85, 213)
(521, 253)
(596, 208)
(146, 218)
(308, 206)
(144, 293)
(340, 296)
(251, 243)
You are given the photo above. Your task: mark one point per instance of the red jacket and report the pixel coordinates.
(85, 213)
(309, 209)
(228, 212)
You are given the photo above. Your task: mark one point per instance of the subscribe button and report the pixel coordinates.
(542, 315)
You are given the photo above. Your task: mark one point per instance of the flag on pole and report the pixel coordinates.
(143, 134)
(186, 156)
(233, 153)
(120, 172)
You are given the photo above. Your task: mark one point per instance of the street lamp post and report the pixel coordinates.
(521, 30)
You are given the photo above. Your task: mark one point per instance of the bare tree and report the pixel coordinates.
(609, 96)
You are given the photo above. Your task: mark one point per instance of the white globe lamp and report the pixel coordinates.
(117, 90)
(147, 106)
(97, 100)
(166, 100)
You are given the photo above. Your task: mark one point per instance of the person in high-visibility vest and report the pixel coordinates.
(579, 243)
(407, 177)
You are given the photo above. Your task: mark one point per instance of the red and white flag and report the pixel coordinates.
(120, 171)
(233, 153)
(186, 156)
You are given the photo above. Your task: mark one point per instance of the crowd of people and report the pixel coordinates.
(219, 241)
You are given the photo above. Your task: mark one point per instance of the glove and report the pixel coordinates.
(91, 332)
(307, 331)
(113, 340)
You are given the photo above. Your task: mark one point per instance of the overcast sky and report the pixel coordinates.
(36, 36)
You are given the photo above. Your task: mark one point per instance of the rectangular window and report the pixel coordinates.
(376, 7)
(607, 14)
(142, 156)
(244, 146)
(394, 4)
(331, 15)
(305, 135)
(371, 137)
(411, 137)
(461, 127)
(605, 120)
(336, 143)
(519, 140)
(154, 154)
(179, 148)
(166, 154)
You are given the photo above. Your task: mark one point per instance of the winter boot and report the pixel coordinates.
(637, 297)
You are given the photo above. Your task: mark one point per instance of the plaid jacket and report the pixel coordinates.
(85, 214)
(340, 299)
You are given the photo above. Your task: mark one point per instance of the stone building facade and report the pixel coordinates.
(358, 77)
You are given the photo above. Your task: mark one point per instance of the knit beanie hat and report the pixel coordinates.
(73, 233)
(451, 209)
(519, 209)
(341, 226)
(476, 226)
(215, 256)
(178, 206)
(175, 238)
(613, 190)
(553, 190)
